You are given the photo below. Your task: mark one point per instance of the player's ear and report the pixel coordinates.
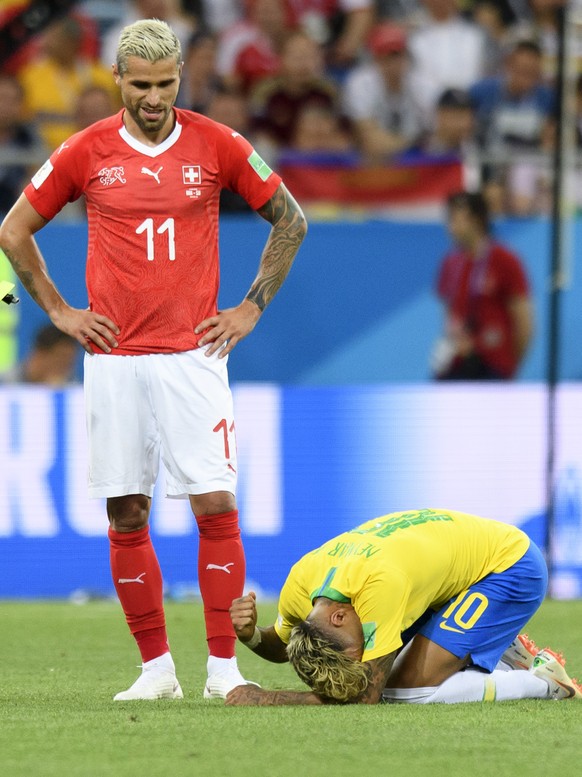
(115, 71)
(337, 616)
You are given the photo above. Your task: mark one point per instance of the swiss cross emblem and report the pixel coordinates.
(191, 175)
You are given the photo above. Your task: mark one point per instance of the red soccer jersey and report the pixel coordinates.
(152, 259)
(477, 293)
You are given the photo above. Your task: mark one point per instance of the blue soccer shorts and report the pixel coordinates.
(483, 620)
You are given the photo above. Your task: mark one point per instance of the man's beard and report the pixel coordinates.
(148, 127)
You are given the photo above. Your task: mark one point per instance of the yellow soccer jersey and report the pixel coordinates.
(393, 568)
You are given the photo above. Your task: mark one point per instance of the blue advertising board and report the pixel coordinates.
(357, 307)
(313, 462)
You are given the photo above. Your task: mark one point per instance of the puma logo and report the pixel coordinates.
(225, 568)
(137, 579)
(156, 175)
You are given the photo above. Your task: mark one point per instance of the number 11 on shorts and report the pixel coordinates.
(222, 426)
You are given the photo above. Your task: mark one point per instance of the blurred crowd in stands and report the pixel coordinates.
(353, 81)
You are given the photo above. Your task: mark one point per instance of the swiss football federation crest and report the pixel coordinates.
(108, 175)
(191, 175)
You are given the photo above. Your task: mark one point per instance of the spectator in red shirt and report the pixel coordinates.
(484, 288)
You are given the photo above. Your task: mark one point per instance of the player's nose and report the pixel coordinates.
(153, 98)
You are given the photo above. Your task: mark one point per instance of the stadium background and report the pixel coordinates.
(336, 417)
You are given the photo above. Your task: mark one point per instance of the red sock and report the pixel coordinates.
(138, 582)
(221, 574)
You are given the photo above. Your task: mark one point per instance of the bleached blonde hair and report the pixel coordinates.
(149, 39)
(322, 665)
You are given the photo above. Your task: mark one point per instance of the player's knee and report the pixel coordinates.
(128, 513)
(213, 503)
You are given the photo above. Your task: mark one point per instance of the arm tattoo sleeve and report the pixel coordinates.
(271, 647)
(380, 669)
(289, 229)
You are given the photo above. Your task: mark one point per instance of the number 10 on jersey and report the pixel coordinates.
(148, 227)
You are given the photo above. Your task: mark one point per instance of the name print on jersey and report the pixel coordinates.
(108, 175)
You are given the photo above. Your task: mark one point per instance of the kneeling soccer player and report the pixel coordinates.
(453, 589)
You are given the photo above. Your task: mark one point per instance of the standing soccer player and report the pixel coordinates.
(155, 374)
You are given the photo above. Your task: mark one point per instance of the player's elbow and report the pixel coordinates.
(11, 232)
(8, 235)
(302, 226)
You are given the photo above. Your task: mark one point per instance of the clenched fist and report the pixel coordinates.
(243, 614)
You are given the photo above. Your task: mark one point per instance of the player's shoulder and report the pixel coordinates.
(197, 122)
(502, 254)
(227, 145)
(86, 138)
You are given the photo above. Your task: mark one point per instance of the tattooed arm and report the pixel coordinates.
(253, 696)
(289, 229)
(250, 695)
(379, 668)
(230, 326)
(18, 243)
(243, 614)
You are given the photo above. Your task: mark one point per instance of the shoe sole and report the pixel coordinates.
(554, 671)
(176, 693)
(549, 678)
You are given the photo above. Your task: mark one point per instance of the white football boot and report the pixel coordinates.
(223, 676)
(550, 667)
(157, 681)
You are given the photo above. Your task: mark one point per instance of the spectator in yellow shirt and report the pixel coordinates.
(53, 82)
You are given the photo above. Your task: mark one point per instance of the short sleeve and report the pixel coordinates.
(381, 606)
(294, 606)
(283, 627)
(61, 179)
(242, 170)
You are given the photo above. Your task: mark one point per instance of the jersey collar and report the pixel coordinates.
(151, 151)
(326, 590)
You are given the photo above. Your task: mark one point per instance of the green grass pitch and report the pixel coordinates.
(61, 664)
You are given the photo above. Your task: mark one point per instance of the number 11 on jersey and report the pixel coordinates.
(147, 226)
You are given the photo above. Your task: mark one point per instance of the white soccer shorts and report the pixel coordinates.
(177, 406)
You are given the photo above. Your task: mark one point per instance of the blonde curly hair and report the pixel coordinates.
(321, 663)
